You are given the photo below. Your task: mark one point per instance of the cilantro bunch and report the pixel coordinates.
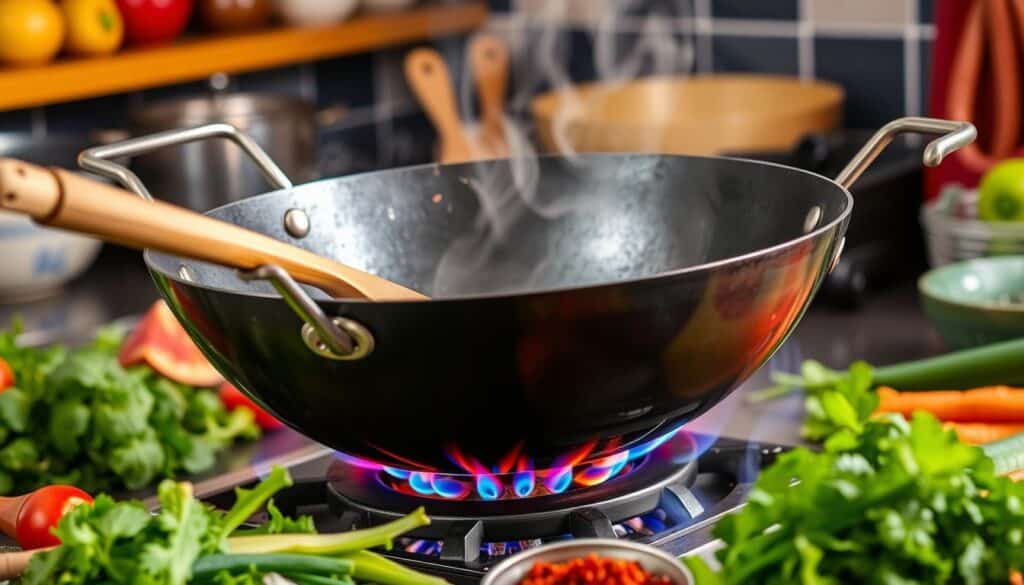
(188, 541)
(899, 502)
(75, 416)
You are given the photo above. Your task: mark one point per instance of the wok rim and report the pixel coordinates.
(148, 254)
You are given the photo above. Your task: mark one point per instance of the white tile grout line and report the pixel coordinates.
(767, 28)
(805, 40)
(911, 63)
(703, 27)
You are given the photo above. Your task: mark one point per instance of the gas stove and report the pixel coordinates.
(668, 492)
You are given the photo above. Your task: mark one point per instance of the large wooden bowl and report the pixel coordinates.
(700, 115)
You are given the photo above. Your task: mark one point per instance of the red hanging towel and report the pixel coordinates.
(977, 58)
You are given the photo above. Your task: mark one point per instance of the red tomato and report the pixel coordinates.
(41, 512)
(233, 398)
(6, 375)
(149, 22)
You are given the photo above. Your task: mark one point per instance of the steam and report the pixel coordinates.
(627, 45)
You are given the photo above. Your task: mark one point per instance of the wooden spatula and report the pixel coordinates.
(58, 198)
(430, 80)
(489, 58)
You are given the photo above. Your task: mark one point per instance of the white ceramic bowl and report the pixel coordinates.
(311, 13)
(38, 261)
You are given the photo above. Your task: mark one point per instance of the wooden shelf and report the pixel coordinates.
(197, 58)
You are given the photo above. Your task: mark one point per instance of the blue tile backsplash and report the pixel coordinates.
(731, 53)
(767, 9)
(569, 41)
(874, 95)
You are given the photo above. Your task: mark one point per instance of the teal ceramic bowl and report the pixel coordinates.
(976, 302)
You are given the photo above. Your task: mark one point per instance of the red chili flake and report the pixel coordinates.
(592, 569)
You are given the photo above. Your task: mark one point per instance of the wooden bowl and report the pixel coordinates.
(700, 115)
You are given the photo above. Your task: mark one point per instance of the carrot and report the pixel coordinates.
(982, 433)
(1017, 476)
(1016, 579)
(989, 404)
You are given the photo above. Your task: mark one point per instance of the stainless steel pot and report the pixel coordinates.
(208, 174)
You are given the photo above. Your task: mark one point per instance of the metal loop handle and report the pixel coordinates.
(338, 338)
(956, 136)
(97, 159)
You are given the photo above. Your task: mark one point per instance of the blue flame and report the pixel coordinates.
(645, 448)
(560, 481)
(488, 488)
(421, 483)
(447, 487)
(399, 473)
(523, 483)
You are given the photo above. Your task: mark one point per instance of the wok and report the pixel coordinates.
(580, 304)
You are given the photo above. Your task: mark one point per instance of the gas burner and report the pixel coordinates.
(514, 475)
(670, 466)
(670, 497)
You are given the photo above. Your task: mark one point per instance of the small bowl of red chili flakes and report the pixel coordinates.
(590, 561)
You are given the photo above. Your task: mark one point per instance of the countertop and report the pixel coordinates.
(888, 328)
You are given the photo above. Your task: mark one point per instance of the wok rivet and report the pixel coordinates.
(185, 273)
(296, 223)
(362, 340)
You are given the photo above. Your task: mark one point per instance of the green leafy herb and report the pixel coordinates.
(899, 502)
(187, 541)
(76, 416)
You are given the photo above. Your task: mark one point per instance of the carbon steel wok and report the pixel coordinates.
(614, 298)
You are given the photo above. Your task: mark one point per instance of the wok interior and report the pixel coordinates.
(510, 226)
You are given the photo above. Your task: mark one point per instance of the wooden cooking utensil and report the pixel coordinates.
(13, 564)
(430, 80)
(699, 115)
(61, 199)
(489, 57)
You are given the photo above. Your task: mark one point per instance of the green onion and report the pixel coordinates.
(998, 363)
(331, 544)
(249, 501)
(373, 568)
(306, 579)
(989, 365)
(210, 565)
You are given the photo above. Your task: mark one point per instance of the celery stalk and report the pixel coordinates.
(330, 544)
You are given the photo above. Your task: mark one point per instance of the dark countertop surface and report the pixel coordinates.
(888, 328)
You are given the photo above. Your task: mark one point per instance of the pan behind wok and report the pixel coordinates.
(574, 299)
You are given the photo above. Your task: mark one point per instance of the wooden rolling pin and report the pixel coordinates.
(58, 198)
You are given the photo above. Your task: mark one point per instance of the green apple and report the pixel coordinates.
(1001, 192)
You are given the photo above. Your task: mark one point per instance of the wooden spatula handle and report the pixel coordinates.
(14, 564)
(61, 199)
(430, 80)
(489, 57)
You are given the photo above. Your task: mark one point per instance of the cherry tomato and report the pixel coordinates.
(149, 22)
(41, 512)
(234, 398)
(6, 375)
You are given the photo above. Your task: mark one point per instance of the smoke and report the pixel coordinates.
(626, 43)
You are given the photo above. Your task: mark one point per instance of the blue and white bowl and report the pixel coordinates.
(38, 261)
